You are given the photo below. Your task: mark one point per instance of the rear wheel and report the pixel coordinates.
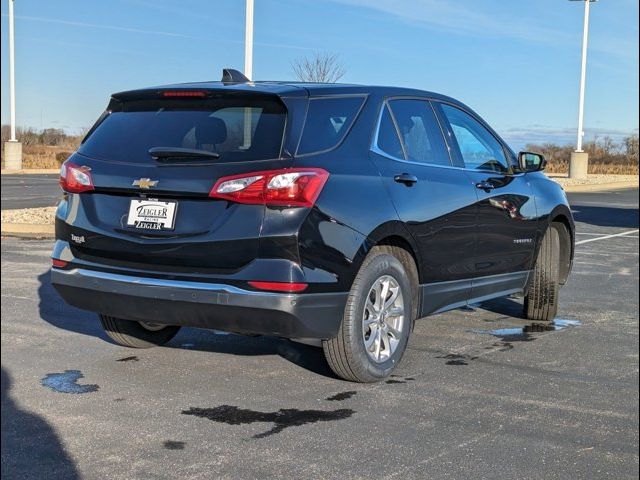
(541, 301)
(134, 334)
(378, 317)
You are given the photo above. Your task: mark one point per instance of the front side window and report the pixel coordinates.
(420, 132)
(327, 123)
(479, 149)
(388, 140)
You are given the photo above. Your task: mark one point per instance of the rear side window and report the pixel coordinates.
(328, 121)
(420, 132)
(235, 128)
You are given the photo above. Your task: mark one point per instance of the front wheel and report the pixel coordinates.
(133, 334)
(378, 317)
(541, 300)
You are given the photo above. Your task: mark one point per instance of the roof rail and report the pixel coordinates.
(229, 75)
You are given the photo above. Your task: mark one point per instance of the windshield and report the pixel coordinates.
(236, 129)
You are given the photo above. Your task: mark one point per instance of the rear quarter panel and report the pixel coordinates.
(354, 209)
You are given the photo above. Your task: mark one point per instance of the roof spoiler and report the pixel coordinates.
(229, 75)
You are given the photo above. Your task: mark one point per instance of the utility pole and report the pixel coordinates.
(12, 148)
(579, 164)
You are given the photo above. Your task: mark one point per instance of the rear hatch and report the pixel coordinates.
(154, 157)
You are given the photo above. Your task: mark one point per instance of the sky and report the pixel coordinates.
(516, 62)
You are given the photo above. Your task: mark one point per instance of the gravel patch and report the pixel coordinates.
(594, 179)
(39, 216)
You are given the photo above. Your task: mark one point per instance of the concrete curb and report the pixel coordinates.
(31, 171)
(28, 230)
(600, 187)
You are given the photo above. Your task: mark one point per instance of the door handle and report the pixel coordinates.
(406, 178)
(485, 185)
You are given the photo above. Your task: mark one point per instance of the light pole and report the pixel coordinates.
(579, 164)
(248, 40)
(12, 148)
(248, 67)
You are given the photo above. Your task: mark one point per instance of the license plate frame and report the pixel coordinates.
(152, 214)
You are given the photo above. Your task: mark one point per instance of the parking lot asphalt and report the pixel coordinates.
(29, 191)
(480, 393)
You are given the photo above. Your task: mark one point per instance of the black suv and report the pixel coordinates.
(323, 213)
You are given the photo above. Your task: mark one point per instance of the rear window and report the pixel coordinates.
(235, 128)
(328, 121)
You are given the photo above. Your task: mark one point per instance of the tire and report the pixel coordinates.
(130, 333)
(347, 354)
(541, 300)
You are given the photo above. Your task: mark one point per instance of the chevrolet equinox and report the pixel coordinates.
(323, 213)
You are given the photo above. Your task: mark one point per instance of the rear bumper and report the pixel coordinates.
(200, 304)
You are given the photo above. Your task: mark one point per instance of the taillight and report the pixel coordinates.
(289, 287)
(75, 178)
(291, 187)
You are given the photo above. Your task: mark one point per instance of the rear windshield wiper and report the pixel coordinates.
(163, 153)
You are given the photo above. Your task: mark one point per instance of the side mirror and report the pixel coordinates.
(531, 162)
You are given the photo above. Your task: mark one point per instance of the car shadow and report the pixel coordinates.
(606, 216)
(56, 312)
(30, 446)
(507, 306)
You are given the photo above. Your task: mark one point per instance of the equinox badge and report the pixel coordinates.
(145, 183)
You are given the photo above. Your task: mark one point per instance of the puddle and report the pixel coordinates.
(395, 379)
(508, 336)
(455, 359)
(500, 346)
(132, 358)
(523, 333)
(338, 397)
(173, 445)
(67, 382)
(283, 418)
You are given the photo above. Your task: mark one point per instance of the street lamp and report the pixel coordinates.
(12, 148)
(248, 67)
(579, 164)
(248, 40)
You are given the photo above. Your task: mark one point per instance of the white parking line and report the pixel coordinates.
(622, 234)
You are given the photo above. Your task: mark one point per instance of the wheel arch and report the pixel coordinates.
(394, 234)
(563, 222)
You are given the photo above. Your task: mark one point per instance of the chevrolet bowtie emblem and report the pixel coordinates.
(145, 183)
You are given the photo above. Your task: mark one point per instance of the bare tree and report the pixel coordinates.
(608, 146)
(631, 147)
(319, 67)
